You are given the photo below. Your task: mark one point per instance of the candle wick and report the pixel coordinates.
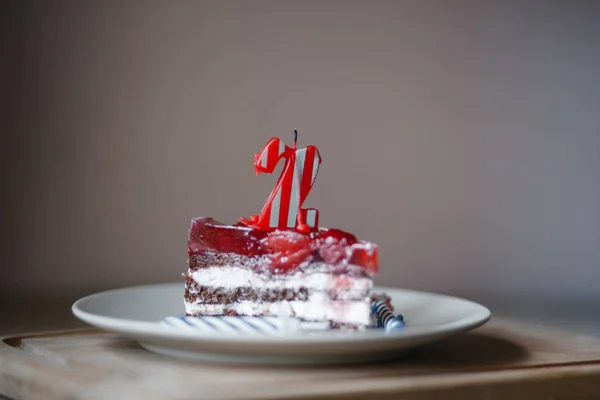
(295, 137)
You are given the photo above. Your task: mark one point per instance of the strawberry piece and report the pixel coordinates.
(332, 245)
(332, 251)
(286, 249)
(338, 235)
(366, 257)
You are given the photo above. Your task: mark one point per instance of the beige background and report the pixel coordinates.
(462, 136)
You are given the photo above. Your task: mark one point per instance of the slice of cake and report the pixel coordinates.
(324, 275)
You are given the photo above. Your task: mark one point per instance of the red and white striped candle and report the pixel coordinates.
(283, 209)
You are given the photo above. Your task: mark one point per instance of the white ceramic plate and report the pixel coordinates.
(137, 312)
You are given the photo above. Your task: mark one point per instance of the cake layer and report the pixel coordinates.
(215, 295)
(211, 295)
(278, 251)
(235, 277)
(318, 307)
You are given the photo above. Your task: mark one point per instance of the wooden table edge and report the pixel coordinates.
(561, 379)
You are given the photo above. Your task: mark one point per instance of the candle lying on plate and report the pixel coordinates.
(385, 317)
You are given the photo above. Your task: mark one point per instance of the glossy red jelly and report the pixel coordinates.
(284, 249)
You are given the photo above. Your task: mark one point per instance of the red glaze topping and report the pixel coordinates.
(283, 250)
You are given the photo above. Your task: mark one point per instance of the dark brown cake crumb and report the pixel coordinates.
(195, 293)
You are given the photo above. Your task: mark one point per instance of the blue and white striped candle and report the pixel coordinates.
(385, 317)
(240, 324)
(225, 324)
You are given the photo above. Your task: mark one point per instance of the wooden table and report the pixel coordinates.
(501, 360)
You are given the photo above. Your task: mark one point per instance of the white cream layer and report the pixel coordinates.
(318, 307)
(234, 277)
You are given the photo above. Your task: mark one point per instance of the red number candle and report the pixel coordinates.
(283, 209)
